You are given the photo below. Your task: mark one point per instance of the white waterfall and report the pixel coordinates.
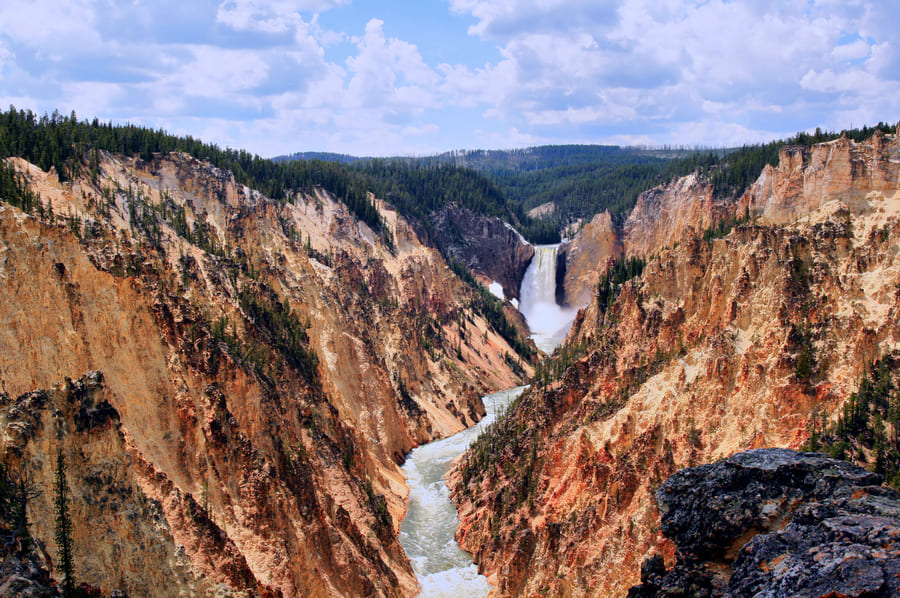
(426, 533)
(549, 322)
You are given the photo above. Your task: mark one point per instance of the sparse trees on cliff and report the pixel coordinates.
(867, 430)
(617, 274)
(15, 492)
(63, 532)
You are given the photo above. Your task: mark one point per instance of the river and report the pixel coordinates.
(427, 531)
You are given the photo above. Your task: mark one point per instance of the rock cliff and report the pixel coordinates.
(584, 259)
(719, 346)
(774, 522)
(253, 372)
(805, 179)
(666, 214)
(809, 178)
(487, 246)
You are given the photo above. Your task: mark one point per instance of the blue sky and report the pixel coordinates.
(377, 78)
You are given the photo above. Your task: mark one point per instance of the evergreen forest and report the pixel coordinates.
(578, 180)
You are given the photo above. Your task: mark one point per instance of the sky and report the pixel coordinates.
(418, 77)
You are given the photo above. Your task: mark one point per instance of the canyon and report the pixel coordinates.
(754, 317)
(232, 380)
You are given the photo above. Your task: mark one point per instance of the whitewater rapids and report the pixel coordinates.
(427, 532)
(443, 569)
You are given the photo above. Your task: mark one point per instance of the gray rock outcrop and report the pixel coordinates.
(774, 523)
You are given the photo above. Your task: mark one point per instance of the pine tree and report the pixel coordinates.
(63, 533)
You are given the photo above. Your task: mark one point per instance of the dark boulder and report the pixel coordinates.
(847, 545)
(775, 522)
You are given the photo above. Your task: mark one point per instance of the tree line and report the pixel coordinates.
(580, 180)
(70, 146)
(867, 430)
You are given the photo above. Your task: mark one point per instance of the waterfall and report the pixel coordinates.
(443, 569)
(427, 531)
(549, 322)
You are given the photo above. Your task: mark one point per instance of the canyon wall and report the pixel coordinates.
(252, 372)
(719, 346)
(486, 245)
(804, 180)
(585, 258)
(661, 217)
(809, 178)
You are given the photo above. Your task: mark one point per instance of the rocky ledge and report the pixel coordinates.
(774, 522)
(487, 246)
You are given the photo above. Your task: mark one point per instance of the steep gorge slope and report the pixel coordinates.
(804, 179)
(721, 345)
(233, 380)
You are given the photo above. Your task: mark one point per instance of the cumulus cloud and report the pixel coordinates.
(506, 19)
(269, 76)
(855, 50)
(271, 16)
(6, 56)
(388, 71)
(51, 26)
(650, 60)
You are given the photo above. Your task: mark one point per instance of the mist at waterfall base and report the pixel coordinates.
(427, 531)
(443, 569)
(549, 322)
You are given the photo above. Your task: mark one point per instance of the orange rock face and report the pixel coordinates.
(838, 171)
(586, 258)
(266, 367)
(664, 215)
(698, 358)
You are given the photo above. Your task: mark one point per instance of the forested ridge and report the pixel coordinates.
(584, 180)
(732, 172)
(69, 146)
(579, 180)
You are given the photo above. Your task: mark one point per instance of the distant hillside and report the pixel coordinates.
(542, 157)
(576, 181)
(571, 182)
(322, 156)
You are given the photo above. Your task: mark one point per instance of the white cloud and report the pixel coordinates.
(214, 73)
(270, 16)
(852, 51)
(270, 77)
(428, 129)
(49, 25)
(509, 138)
(680, 64)
(89, 97)
(505, 19)
(470, 88)
(389, 72)
(718, 133)
(6, 56)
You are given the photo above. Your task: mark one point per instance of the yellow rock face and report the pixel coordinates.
(696, 360)
(222, 467)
